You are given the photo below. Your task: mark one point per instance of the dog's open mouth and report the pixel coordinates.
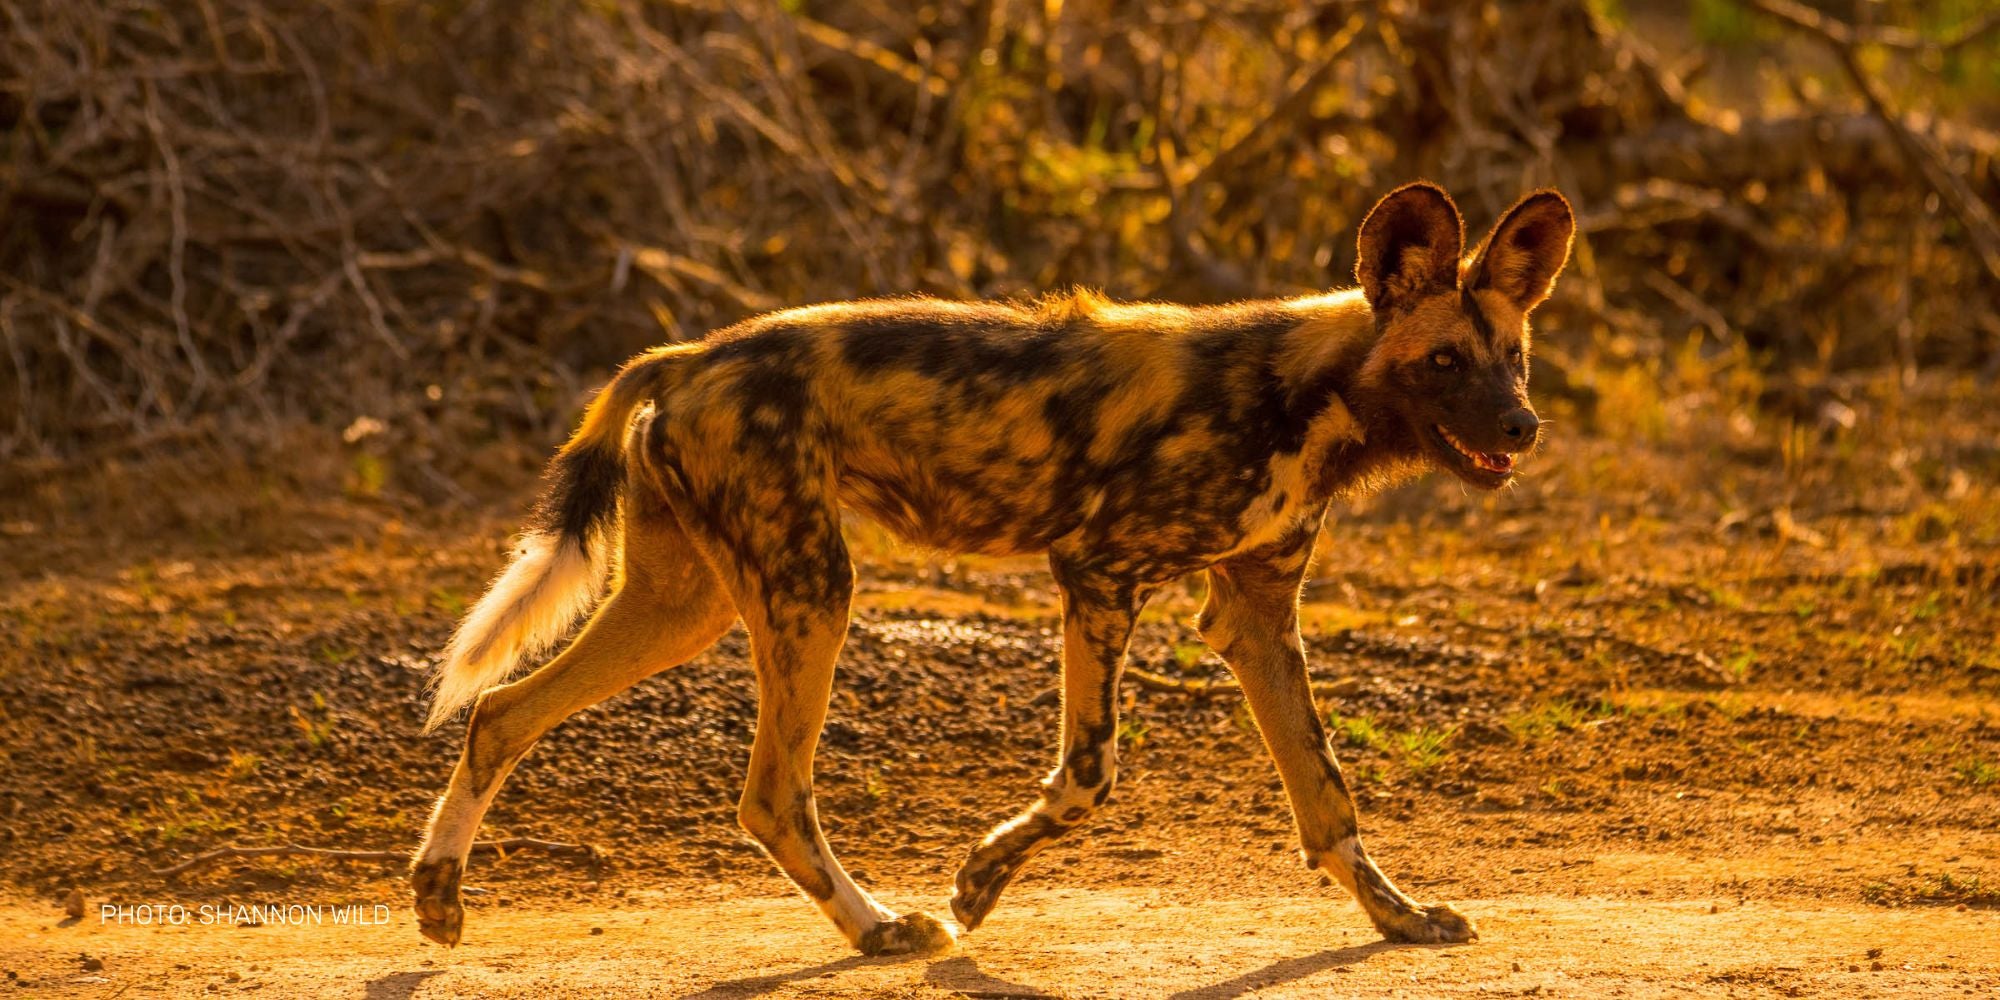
(1498, 463)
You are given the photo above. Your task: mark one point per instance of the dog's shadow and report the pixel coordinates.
(958, 973)
(1288, 969)
(756, 986)
(961, 974)
(399, 985)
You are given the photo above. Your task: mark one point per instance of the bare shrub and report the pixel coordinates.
(453, 215)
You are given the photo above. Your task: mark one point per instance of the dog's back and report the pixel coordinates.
(997, 428)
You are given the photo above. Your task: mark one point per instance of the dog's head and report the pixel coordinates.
(1449, 366)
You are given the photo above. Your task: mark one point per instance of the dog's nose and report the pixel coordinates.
(1519, 425)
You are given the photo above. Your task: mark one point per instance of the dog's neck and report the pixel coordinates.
(1323, 361)
(1325, 355)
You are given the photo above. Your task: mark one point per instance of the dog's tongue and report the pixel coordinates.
(1495, 461)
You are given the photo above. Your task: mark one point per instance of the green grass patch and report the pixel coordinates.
(1977, 771)
(1358, 731)
(1738, 666)
(1424, 747)
(241, 765)
(1545, 719)
(1132, 733)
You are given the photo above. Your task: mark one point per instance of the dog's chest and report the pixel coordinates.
(1296, 481)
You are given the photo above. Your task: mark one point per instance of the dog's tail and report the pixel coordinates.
(564, 554)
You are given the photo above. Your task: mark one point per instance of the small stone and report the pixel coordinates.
(597, 932)
(1517, 966)
(73, 904)
(234, 976)
(91, 963)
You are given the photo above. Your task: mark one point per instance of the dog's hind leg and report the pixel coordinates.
(668, 607)
(1251, 619)
(789, 570)
(1098, 614)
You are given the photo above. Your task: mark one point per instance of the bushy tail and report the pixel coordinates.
(563, 557)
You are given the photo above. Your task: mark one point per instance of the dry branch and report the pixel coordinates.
(1177, 685)
(1848, 36)
(1283, 116)
(1843, 41)
(336, 854)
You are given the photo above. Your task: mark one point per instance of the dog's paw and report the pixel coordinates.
(1437, 924)
(439, 915)
(910, 934)
(977, 889)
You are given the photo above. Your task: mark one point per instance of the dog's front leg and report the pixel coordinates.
(1252, 620)
(1097, 624)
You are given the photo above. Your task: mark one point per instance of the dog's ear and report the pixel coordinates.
(1409, 246)
(1526, 250)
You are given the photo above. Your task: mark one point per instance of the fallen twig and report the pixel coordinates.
(500, 847)
(1180, 685)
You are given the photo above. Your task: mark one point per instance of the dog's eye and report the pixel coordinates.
(1444, 359)
(1514, 355)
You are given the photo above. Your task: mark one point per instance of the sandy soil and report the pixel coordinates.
(1047, 943)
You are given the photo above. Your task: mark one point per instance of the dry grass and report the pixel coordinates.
(433, 227)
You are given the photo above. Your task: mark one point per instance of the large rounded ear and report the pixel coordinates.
(1526, 250)
(1409, 246)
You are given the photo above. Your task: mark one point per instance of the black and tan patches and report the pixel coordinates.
(1135, 443)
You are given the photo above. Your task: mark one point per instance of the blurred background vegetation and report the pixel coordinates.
(431, 227)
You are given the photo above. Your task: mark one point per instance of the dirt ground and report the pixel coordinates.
(1051, 942)
(1706, 704)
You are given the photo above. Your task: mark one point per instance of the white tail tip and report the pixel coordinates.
(529, 607)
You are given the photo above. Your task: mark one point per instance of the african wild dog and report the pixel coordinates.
(1134, 443)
